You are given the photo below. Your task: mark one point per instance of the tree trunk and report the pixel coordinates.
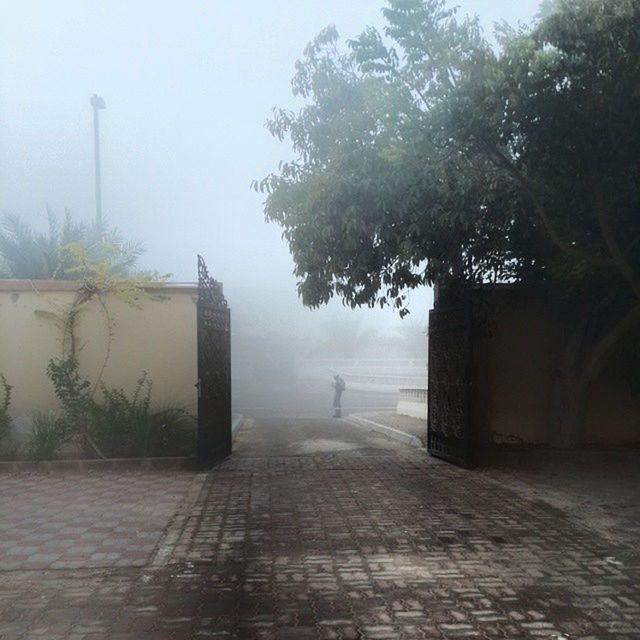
(582, 362)
(568, 406)
(568, 412)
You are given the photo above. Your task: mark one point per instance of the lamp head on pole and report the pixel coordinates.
(97, 102)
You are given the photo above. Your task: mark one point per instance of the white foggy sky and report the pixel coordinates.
(188, 86)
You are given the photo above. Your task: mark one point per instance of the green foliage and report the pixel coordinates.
(103, 276)
(5, 402)
(26, 253)
(100, 274)
(48, 433)
(73, 392)
(423, 155)
(116, 425)
(547, 8)
(98, 278)
(126, 426)
(102, 263)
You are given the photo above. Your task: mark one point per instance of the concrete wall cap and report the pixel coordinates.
(39, 286)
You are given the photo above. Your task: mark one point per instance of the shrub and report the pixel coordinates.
(74, 393)
(5, 418)
(48, 433)
(123, 426)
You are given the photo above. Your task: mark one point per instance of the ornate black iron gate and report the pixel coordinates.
(214, 370)
(449, 424)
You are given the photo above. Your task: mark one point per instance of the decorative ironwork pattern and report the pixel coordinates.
(209, 290)
(214, 370)
(449, 428)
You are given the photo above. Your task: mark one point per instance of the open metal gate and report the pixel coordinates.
(214, 370)
(450, 433)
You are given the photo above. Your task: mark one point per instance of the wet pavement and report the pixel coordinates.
(70, 520)
(320, 529)
(405, 424)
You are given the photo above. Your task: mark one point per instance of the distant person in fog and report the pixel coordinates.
(339, 386)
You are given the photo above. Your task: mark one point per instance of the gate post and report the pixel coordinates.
(214, 371)
(449, 424)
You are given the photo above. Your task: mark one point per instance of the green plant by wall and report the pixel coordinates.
(5, 402)
(98, 279)
(124, 426)
(74, 393)
(115, 424)
(48, 433)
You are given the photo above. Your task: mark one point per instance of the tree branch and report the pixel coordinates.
(501, 160)
(602, 351)
(612, 244)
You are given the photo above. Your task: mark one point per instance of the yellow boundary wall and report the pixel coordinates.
(159, 338)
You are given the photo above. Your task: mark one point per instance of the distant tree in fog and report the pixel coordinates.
(26, 253)
(413, 339)
(345, 337)
(547, 7)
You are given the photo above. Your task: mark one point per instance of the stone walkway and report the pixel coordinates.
(596, 489)
(359, 539)
(71, 520)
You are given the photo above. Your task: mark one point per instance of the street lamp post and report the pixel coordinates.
(97, 103)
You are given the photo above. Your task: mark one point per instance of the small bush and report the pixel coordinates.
(73, 391)
(125, 427)
(5, 418)
(48, 434)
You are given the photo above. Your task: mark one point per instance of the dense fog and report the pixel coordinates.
(188, 87)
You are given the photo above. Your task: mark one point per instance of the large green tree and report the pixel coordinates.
(425, 154)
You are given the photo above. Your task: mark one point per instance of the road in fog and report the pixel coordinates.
(305, 398)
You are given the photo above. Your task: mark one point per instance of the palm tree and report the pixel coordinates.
(28, 254)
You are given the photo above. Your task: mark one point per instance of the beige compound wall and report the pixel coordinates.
(159, 338)
(513, 352)
(517, 345)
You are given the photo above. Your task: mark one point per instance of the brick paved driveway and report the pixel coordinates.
(70, 520)
(362, 539)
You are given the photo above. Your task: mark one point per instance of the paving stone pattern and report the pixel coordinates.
(377, 543)
(67, 520)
